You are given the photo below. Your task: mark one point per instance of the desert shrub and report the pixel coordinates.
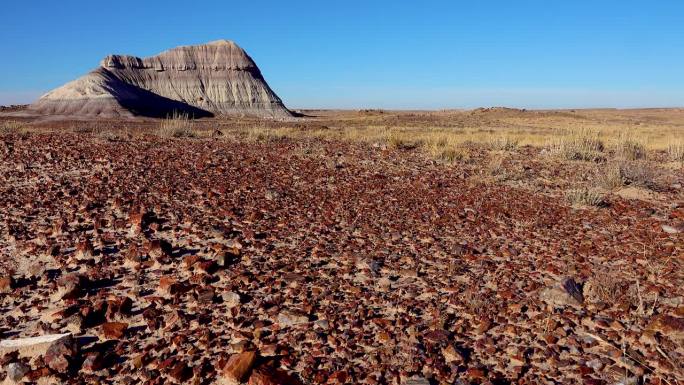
(607, 288)
(496, 169)
(449, 154)
(610, 177)
(11, 127)
(401, 142)
(262, 134)
(84, 129)
(639, 173)
(628, 147)
(503, 143)
(582, 144)
(444, 148)
(623, 173)
(675, 150)
(585, 197)
(113, 135)
(177, 125)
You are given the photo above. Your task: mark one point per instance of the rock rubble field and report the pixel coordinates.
(210, 261)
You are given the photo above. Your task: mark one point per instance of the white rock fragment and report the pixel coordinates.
(288, 318)
(31, 346)
(671, 229)
(231, 299)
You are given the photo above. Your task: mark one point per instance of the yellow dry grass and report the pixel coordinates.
(11, 127)
(177, 125)
(585, 135)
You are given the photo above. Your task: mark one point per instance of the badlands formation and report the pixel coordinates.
(217, 78)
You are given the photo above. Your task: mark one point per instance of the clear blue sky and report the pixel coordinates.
(387, 54)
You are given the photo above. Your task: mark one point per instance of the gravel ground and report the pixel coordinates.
(169, 260)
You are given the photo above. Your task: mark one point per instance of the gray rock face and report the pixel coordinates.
(15, 372)
(217, 78)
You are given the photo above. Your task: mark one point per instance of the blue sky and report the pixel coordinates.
(385, 54)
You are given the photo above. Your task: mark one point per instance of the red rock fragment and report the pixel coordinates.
(238, 367)
(35, 375)
(476, 373)
(71, 286)
(165, 283)
(114, 330)
(133, 255)
(61, 354)
(6, 284)
(158, 249)
(118, 307)
(190, 260)
(152, 317)
(264, 375)
(338, 377)
(181, 372)
(484, 326)
(437, 335)
(207, 267)
(135, 219)
(84, 250)
(93, 362)
(668, 325)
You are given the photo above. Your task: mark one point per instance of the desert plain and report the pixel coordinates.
(485, 246)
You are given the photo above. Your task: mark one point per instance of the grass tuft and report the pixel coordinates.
(628, 147)
(402, 142)
(611, 177)
(449, 154)
(585, 197)
(639, 173)
(580, 144)
(178, 125)
(675, 150)
(628, 173)
(503, 143)
(496, 169)
(11, 127)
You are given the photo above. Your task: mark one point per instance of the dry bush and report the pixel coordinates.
(80, 129)
(628, 147)
(178, 125)
(503, 143)
(115, 135)
(610, 177)
(585, 197)
(263, 134)
(445, 149)
(628, 173)
(11, 127)
(402, 142)
(612, 290)
(449, 154)
(580, 144)
(675, 150)
(607, 288)
(639, 173)
(497, 170)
